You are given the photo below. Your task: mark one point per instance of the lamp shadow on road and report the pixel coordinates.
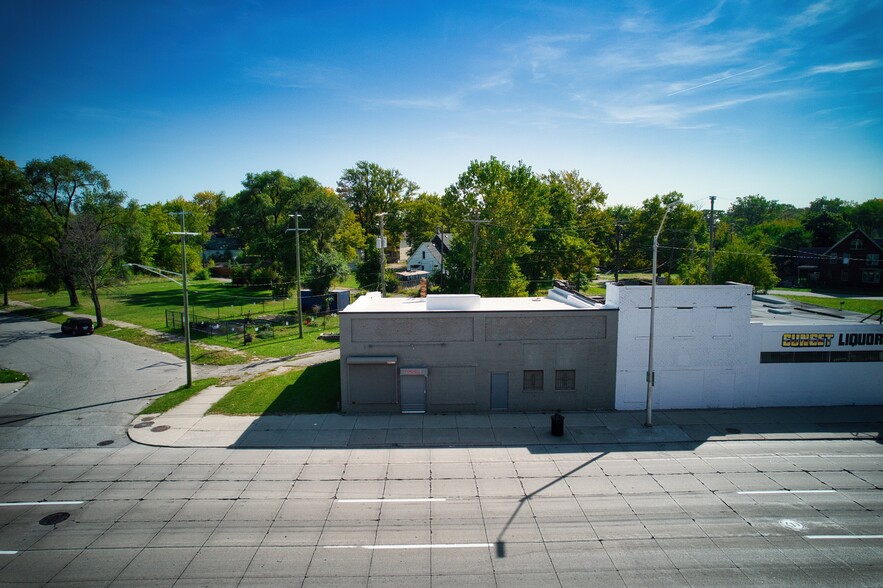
(500, 544)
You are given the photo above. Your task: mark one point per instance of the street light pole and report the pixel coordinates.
(651, 376)
(297, 230)
(184, 234)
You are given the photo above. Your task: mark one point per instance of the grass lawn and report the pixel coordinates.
(860, 305)
(315, 389)
(143, 302)
(10, 376)
(176, 397)
(197, 353)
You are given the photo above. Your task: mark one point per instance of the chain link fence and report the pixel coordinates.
(232, 327)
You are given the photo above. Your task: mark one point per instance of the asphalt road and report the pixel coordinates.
(82, 390)
(731, 513)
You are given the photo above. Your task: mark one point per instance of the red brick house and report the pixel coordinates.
(854, 262)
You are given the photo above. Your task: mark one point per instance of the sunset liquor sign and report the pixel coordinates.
(816, 340)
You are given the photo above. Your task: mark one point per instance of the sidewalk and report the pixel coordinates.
(188, 426)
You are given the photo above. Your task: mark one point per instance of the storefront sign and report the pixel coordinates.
(807, 339)
(825, 339)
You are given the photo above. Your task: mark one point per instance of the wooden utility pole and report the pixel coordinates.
(475, 223)
(381, 245)
(711, 241)
(297, 230)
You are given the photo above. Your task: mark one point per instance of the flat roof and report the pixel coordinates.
(773, 310)
(387, 305)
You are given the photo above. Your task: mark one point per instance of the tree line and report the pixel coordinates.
(68, 229)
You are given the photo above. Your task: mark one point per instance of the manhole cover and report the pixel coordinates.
(732, 430)
(144, 425)
(789, 524)
(54, 518)
(105, 443)
(160, 428)
(147, 418)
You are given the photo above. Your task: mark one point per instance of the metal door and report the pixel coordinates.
(499, 390)
(413, 389)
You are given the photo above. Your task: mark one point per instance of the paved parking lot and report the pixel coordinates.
(793, 513)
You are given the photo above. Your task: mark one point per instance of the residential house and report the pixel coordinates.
(221, 249)
(852, 263)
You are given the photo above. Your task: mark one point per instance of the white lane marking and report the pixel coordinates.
(793, 525)
(8, 552)
(844, 536)
(417, 546)
(787, 492)
(356, 500)
(46, 503)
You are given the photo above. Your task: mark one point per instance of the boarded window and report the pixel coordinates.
(533, 380)
(565, 379)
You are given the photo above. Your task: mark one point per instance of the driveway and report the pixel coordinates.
(82, 391)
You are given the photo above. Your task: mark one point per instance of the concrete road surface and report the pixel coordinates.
(730, 513)
(82, 390)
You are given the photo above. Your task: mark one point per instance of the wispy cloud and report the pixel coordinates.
(293, 74)
(850, 66)
(717, 80)
(116, 115)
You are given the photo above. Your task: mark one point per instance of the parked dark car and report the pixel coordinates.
(77, 326)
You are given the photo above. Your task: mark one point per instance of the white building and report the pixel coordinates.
(425, 258)
(719, 347)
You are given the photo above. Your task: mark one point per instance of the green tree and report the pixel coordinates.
(370, 189)
(325, 268)
(868, 216)
(55, 188)
(350, 237)
(749, 211)
(827, 220)
(13, 254)
(260, 215)
(515, 200)
(614, 232)
(421, 218)
(562, 248)
(739, 261)
(209, 201)
(684, 233)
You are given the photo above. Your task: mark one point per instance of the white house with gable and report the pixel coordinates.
(425, 258)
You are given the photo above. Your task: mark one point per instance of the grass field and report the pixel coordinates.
(175, 397)
(861, 305)
(143, 302)
(315, 389)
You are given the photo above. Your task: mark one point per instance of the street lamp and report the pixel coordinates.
(184, 234)
(651, 376)
(297, 230)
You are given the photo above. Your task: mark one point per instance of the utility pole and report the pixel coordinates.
(441, 255)
(297, 230)
(184, 234)
(618, 246)
(381, 245)
(711, 241)
(475, 223)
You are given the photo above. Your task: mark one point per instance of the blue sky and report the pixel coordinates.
(782, 99)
